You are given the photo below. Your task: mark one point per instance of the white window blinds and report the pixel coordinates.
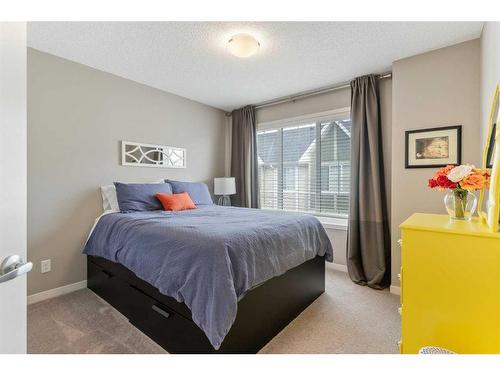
(305, 166)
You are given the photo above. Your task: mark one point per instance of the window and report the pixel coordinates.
(304, 165)
(290, 178)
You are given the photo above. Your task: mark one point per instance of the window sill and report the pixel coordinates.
(333, 222)
(337, 223)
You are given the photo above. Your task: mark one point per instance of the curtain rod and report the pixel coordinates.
(307, 94)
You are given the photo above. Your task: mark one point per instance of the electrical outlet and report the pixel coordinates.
(45, 266)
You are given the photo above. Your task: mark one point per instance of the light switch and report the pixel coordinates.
(45, 266)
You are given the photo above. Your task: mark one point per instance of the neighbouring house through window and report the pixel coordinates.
(304, 164)
(290, 178)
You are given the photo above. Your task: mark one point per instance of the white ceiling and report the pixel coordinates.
(190, 58)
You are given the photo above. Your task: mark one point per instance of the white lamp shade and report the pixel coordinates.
(224, 186)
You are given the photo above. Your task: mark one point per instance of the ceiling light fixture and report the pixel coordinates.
(243, 45)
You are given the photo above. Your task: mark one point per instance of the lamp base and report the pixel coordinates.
(224, 200)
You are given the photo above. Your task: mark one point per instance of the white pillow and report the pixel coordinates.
(109, 200)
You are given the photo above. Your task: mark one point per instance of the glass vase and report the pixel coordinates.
(460, 204)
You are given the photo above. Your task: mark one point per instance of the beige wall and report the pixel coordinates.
(313, 104)
(490, 72)
(77, 117)
(439, 88)
(330, 101)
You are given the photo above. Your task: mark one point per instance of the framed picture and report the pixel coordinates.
(148, 155)
(433, 147)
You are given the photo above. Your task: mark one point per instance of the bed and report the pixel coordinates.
(209, 280)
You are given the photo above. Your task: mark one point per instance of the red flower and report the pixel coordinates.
(432, 183)
(440, 179)
(444, 182)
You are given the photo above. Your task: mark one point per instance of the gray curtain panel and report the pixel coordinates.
(244, 166)
(368, 244)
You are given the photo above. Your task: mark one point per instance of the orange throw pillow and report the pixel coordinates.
(176, 202)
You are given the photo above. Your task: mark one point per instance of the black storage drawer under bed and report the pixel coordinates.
(113, 289)
(111, 269)
(164, 325)
(263, 312)
(167, 327)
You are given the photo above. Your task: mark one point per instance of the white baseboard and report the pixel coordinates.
(37, 297)
(337, 266)
(395, 290)
(51, 293)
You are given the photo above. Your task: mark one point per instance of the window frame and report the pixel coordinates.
(332, 115)
(335, 114)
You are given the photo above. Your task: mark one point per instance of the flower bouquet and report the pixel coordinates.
(461, 180)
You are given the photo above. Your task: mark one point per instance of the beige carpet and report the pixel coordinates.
(346, 319)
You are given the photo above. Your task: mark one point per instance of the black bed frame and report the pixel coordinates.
(262, 313)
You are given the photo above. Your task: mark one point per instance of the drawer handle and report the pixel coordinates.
(160, 311)
(399, 276)
(107, 274)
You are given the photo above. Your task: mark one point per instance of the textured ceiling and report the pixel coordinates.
(190, 58)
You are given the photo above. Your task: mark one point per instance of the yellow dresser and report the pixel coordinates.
(450, 285)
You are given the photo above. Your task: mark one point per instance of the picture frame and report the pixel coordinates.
(135, 154)
(433, 147)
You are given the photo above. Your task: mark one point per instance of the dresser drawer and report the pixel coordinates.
(400, 274)
(449, 285)
(400, 278)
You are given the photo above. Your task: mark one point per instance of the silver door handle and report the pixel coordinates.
(12, 267)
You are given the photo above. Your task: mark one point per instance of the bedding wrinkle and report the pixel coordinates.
(211, 256)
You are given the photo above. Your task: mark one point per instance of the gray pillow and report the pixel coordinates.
(140, 197)
(198, 191)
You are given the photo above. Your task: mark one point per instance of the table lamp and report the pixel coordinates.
(224, 186)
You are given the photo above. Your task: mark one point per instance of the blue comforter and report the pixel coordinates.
(209, 257)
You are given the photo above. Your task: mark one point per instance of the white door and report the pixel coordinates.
(13, 187)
